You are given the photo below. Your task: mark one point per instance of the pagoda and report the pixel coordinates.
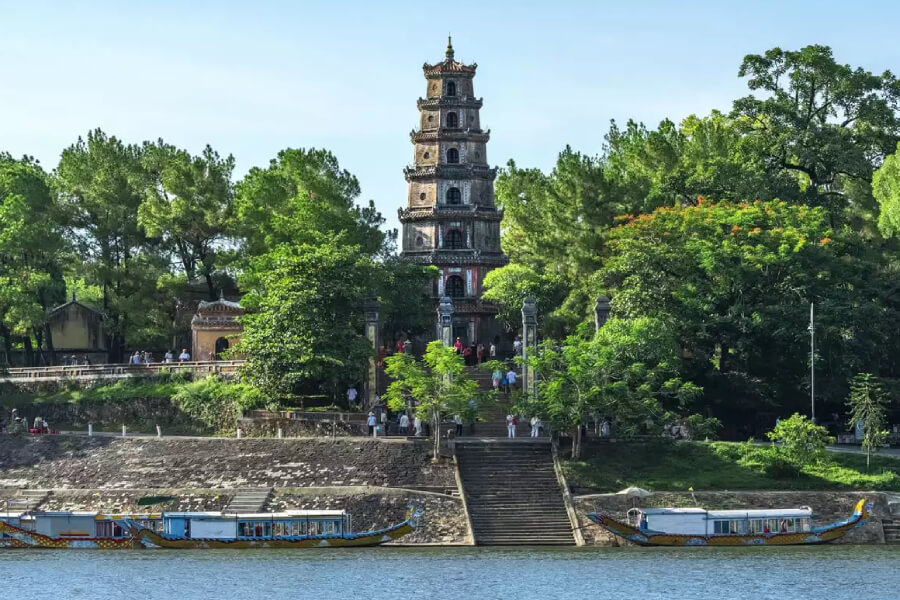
(451, 220)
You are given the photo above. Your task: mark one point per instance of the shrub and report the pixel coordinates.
(802, 442)
(217, 403)
(702, 428)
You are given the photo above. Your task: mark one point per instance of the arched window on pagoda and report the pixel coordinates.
(454, 240)
(451, 88)
(452, 156)
(454, 196)
(455, 287)
(452, 120)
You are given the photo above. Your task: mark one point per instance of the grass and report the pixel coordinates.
(122, 390)
(677, 466)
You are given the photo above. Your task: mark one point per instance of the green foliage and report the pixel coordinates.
(827, 124)
(305, 326)
(676, 466)
(735, 280)
(868, 407)
(886, 189)
(302, 197)
(628, 372)
(188, 206)
(703, 428)
(800, 441)
(438, 385)
(33, 252)
(217, 403)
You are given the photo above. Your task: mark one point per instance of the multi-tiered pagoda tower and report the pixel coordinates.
(451, 220)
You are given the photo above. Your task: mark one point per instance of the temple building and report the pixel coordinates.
(451, 220)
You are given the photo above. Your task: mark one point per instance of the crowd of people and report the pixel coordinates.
(145, 358)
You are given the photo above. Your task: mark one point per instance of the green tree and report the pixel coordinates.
(886, 188)
(305, 326)
(828, 124)
(302, 195)
(102, 182)
(437, 384)
(627, 372)
(868, 407)
(735, 280)
(189, 206)
(33, 252)
(802, 442)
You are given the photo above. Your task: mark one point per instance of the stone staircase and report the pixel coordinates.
(891, 530)
(24, 501)
(252, 500)
(512, 493)
(492, 417)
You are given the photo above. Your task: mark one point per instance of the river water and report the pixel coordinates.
(825, 572)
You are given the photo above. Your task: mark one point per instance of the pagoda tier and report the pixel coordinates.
(450, 220)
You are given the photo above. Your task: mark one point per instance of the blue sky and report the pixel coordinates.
(253, 78)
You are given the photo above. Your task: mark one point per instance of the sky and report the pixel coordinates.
(253, 78)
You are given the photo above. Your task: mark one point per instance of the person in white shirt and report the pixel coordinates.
(511, 426)
(535, 426)
(404, 424)
(169, 356)
(517, 346)
(493, 350)
(184, 355)
(351, 396)
(371, 423)
(417, 426)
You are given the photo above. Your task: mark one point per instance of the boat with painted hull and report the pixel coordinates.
(289, 529)
(699, 527)
(72, 529)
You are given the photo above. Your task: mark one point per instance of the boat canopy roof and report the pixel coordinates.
(288, 514)
(791, 513)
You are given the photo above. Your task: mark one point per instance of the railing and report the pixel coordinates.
(118, 370)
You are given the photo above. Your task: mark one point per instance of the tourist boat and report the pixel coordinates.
(288, 529)
(700, 527)
(72, 529)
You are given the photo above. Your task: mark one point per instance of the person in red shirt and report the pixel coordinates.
(400, 346)
(458, 345)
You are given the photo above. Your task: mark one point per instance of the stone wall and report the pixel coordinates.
(140, 414)
(256, 427)
(124, 463)
(827, 507)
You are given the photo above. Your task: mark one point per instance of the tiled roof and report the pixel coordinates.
(449, 66)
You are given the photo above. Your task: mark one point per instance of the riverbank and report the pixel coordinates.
(678, 466)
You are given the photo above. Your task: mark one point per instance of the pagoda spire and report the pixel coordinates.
(449, 51)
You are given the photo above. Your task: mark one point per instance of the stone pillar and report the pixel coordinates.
(529, 345)
(445, 321)
(370, 307)
(601, 312)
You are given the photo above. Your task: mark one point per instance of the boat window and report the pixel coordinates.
(315, 528)
(804, 524)
(104, 529)
(278, 529)
(245, 529)
(331, 527)
(721, 527)
(756, 526)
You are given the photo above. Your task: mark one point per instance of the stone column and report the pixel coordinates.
(445, 321)
(370, 307)
(529, 345)
(601, 312)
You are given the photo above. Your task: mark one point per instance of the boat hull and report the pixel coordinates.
(819, 535)
(22, 538)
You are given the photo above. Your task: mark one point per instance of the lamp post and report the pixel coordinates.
(601, 312)
(370, 308)
(812, 363)
(529, 328)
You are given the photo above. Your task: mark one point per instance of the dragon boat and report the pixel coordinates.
(700, 527)
(288, 529)
(187, 530)
(72, 529)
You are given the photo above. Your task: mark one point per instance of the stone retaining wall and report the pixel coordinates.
(68, 461)
(827, 507)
